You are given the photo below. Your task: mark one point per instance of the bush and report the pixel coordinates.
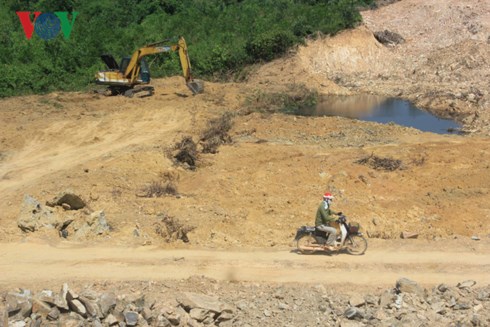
(379, 163)
(216, 133)
(270, 45)
(295, 98)
(186, 152)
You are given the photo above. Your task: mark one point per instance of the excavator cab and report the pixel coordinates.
(145, 71)
(144, 75)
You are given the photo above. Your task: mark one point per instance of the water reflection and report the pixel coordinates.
(381, 110)
(348, 106)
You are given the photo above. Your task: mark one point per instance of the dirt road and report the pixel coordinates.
(31, 264)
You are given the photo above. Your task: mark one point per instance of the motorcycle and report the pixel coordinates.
(309, 239)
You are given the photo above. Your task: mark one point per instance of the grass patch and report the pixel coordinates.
(216, 133)
(171, 230)
(293, 100)
(166, 186)
(158, 189)
(379, 163)
(186, 152)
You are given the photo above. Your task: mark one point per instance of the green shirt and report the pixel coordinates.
(324, 216)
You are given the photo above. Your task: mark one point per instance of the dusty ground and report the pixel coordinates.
(385, 262)
(253, 194)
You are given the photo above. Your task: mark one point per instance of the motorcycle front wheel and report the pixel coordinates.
(305, 243)
(356, 244)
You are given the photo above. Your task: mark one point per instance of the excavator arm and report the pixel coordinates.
(133, 69)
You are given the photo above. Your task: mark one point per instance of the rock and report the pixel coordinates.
(475, 238)
(77, 306)
(19, 305)
(352, 313)
(198, 314)
(60, 300)
(190, 300)
(351, 323)
(149, 315)
(174, 318)
(283, 306)
(99, 223)
(386, 299)
(407, 235)
(462, 306)
(89, 306)
(267, 313)
(46, 296)
(442, 288)
(409, 286)
(110, 320)
(475, 321)
(25, 308)
(68, 200)
(36, 322)
(40, 308)
(483, 296)
(227, 323)
(107, 303)
(131, 318)
(34, 216)
(224, 316)
(356, 300)
(12, 304)
(4, 318)
(54, 314)
(162, 321)
(466, 284)
(72, 322)
(398, 301)
(95, 224)
(323, 308)
(477, 308)
(242, 305)
(439, 307)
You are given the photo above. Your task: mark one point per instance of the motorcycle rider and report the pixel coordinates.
(324, 219)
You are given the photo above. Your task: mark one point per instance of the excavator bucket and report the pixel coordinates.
(196, 86)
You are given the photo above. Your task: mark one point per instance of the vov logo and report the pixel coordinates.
(47, 25)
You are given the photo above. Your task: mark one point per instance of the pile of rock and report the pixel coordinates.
(89, 308)
(203, 302)
(67, 214)
(408, 304)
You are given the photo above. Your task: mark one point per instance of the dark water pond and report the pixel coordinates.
(381, 110)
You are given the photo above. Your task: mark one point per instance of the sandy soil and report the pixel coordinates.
(385, 262)
(247, 200)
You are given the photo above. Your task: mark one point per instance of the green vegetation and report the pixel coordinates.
(294, 99)
(224, 36)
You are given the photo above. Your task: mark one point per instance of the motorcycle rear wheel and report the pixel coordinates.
(356, 244)
(304, 242)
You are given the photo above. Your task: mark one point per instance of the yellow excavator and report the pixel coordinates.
(132, 75)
